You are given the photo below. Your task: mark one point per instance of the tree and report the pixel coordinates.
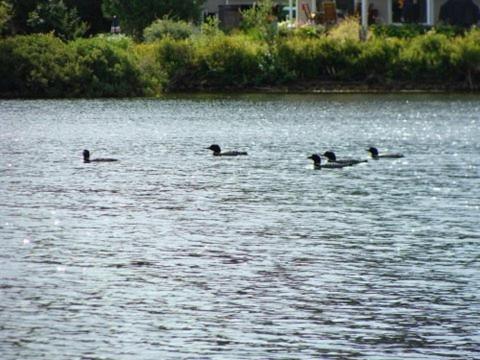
(20, 10)
(54, 15)
(5, 14)
(90, 11)
(136, 15)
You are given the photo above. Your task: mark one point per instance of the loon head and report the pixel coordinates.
(86, 156)
(330, 155)
(373, 151)
(215, 148)
(316, 159)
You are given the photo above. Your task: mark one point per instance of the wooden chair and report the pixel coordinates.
(308, 13)
(329, 12)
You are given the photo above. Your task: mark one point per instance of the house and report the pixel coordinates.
(302, 11)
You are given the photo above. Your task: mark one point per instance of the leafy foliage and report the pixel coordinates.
(5, 14)
(348, 29)
(259, 20)
(308, 30)
(106, 67)
(136, 15)
(54, 15)
(35, 65)
(425, 57)
(45, 66)
(233, 61)
(21, 10)
(465, 57)
(166, 27)
(408, 31)
(90, 11)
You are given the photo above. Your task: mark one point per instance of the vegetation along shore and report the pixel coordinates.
(173, 56)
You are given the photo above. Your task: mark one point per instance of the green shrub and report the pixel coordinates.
(465, 58)
(211, 27)
(408, 31)
(426, 57)
(319, 59)
(176, 61)
(35, 66)
(348, 29)
(166, 27)
(308, 31)
(55, 16)
(5, 14)
(259, 21)
(106, 67)
(377, 60)
(232, 60)
(152, 74)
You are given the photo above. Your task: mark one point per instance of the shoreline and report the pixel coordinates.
(312, 87)
(338, 87)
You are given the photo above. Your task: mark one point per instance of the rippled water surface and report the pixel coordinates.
(172, 253)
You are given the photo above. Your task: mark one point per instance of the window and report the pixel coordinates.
(409, 11)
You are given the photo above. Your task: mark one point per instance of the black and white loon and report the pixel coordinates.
(217, 151)
(375, 155)
(317, 163)
(86, 158)
(332, 158)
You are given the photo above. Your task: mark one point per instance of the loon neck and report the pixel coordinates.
(86, 156)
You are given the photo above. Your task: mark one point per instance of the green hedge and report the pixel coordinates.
(44, 66)
(106, 68)
(35, 65)
(160, 29)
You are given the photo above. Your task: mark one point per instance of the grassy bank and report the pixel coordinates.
(45, 66)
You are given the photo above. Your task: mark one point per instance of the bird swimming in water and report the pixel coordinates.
(375, 155)
(332, 158)
(317, 163)
(86, 158)
(217, 151)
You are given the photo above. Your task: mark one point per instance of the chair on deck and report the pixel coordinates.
(329, 12)
(308, 13)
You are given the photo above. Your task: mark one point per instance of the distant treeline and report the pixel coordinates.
(70, 19)
(116, 66)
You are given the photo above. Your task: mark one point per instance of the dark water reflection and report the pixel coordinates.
(171, 253)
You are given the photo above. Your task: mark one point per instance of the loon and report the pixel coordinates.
(330, 155)
(317, 163)
(374, 152)
(86, 158)
(217, 151)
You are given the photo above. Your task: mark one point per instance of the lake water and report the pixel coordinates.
(172, 253)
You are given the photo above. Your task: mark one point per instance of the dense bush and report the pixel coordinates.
(319, 59)
(377, 60)
(106, 67)
(465, 58)
(231, 60)
(308, 31)
(55, 16)
(35, 65)
(425, 57)
(166, 27)
(408, 31)
(44, 66)
(176, 61)
(212, 61)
